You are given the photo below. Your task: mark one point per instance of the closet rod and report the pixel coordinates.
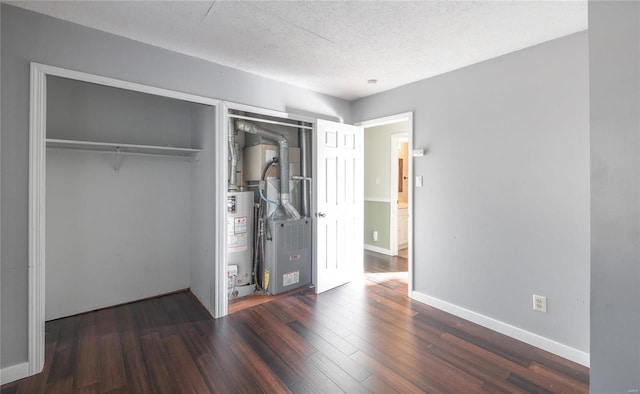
(296, 126)
(128, 153)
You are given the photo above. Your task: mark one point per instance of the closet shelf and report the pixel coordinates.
(122, 148)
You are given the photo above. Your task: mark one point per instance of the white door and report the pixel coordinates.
(339, 203)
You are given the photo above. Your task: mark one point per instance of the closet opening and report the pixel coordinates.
(269, 227)
(124, 196)
(122, 193)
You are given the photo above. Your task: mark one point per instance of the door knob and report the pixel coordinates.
(321, 215)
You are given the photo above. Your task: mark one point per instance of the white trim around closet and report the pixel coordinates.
(37, 183)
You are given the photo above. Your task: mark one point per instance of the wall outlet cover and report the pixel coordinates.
(539, 303)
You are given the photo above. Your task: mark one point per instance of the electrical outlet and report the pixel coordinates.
(375, 236)
(539, 303)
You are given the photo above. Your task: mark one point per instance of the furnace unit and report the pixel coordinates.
(287, 255)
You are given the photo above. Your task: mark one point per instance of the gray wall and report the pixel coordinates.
(504, 211)
(614, 53)
(27, 37)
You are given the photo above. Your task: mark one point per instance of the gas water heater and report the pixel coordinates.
(240, 243)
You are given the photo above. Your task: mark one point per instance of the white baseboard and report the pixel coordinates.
(378, 249)
(14, 372)
(530, 338)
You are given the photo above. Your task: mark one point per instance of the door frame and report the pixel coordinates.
(37, 187)
(408, 117)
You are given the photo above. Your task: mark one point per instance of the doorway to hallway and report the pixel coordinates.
(388, 200)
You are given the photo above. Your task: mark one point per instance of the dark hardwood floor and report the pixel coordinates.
(366, 336)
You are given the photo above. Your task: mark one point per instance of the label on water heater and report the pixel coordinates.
(237, 240)
(290, 278)
(294, 257)
(240, 225)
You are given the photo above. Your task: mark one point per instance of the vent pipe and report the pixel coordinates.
(233, 168)
(302, 139)
(285, 201)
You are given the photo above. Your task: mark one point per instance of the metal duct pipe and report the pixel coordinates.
(302, 140)
(285, 201)
(233, 151)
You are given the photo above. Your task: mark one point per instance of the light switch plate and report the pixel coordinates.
(419, 181)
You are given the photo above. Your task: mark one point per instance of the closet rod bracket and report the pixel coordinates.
(117, 160)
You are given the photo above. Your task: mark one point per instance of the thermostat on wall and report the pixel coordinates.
(418, 152)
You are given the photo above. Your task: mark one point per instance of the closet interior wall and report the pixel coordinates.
(122, 227)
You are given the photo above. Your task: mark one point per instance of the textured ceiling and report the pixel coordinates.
(332, 47)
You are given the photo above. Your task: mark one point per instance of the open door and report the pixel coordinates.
(339, 204)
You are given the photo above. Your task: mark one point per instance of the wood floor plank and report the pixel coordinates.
(233, 369)
(133, 358)
(526, 385)
(158, 365)
(326, 348)
(338, 375)
(279, 310)
(266, 353)
(515, 368)
(565, 382)
(212, 372)
(112, 374)
(86, 369)
(266, 379)
(91, 389)
(291, 337)
(391, 376)
(480, 342)
(64, 353)
(313, 380)
(323, 330)
(61, 386)
(419, 366)
(184, 369)
(309, 307)
(375, 385)
(563, 366)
